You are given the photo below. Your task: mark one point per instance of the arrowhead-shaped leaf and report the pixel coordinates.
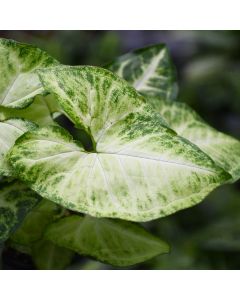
(19, 82)
(29, 238)
(36, 222)
(139, 170)
(10, 130)
(38, 112)
(223, 149)
(115, 242)
(16, 200)
(149, 70)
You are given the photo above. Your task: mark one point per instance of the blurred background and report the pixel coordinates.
(206, 236)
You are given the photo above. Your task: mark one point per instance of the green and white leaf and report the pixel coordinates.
(48, 256)
(19, 82)
(137, 188)
(10, 130)
(223, 149)
(115, 242)
(139, 170)
(16, 200)
(149, 70)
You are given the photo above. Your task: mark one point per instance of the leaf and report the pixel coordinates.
(48, 256)
(36, 222)
(19, 82)
(115, 242)
(29, 237)
(10, 130)
(38, 112)
(16, 200)
(223, 149)
(139, 170)
(149, 70)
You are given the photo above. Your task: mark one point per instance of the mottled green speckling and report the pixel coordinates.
(16, 200)
(10, 130)
(149, 70)
(19, 83)
(223, 149)
(115, 242)
(93, 98)
(139, 170)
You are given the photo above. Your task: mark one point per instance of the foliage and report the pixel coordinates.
(127, 150)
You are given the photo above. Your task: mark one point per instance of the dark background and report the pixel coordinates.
(206, 236)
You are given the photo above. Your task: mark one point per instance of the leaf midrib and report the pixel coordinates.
(149, 71)
(159, 160)
(125, 155)
(10, 87)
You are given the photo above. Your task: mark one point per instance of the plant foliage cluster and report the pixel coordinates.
(130, 153)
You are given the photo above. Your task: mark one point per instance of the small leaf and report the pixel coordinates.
(115, 242)
(10, 130)
(16, 200)
(38, 112)
(19, 82)
(139, 170)
(149, 70)
(36, 222)
(223, 149)
(48, 256)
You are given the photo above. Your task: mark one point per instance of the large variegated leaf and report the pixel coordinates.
(38, 112)
(10, 130)
(18, 81)
(223, 149)
(16, 200)
(149, 70)
(139, 169)
(55, 165)
(116, 242)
